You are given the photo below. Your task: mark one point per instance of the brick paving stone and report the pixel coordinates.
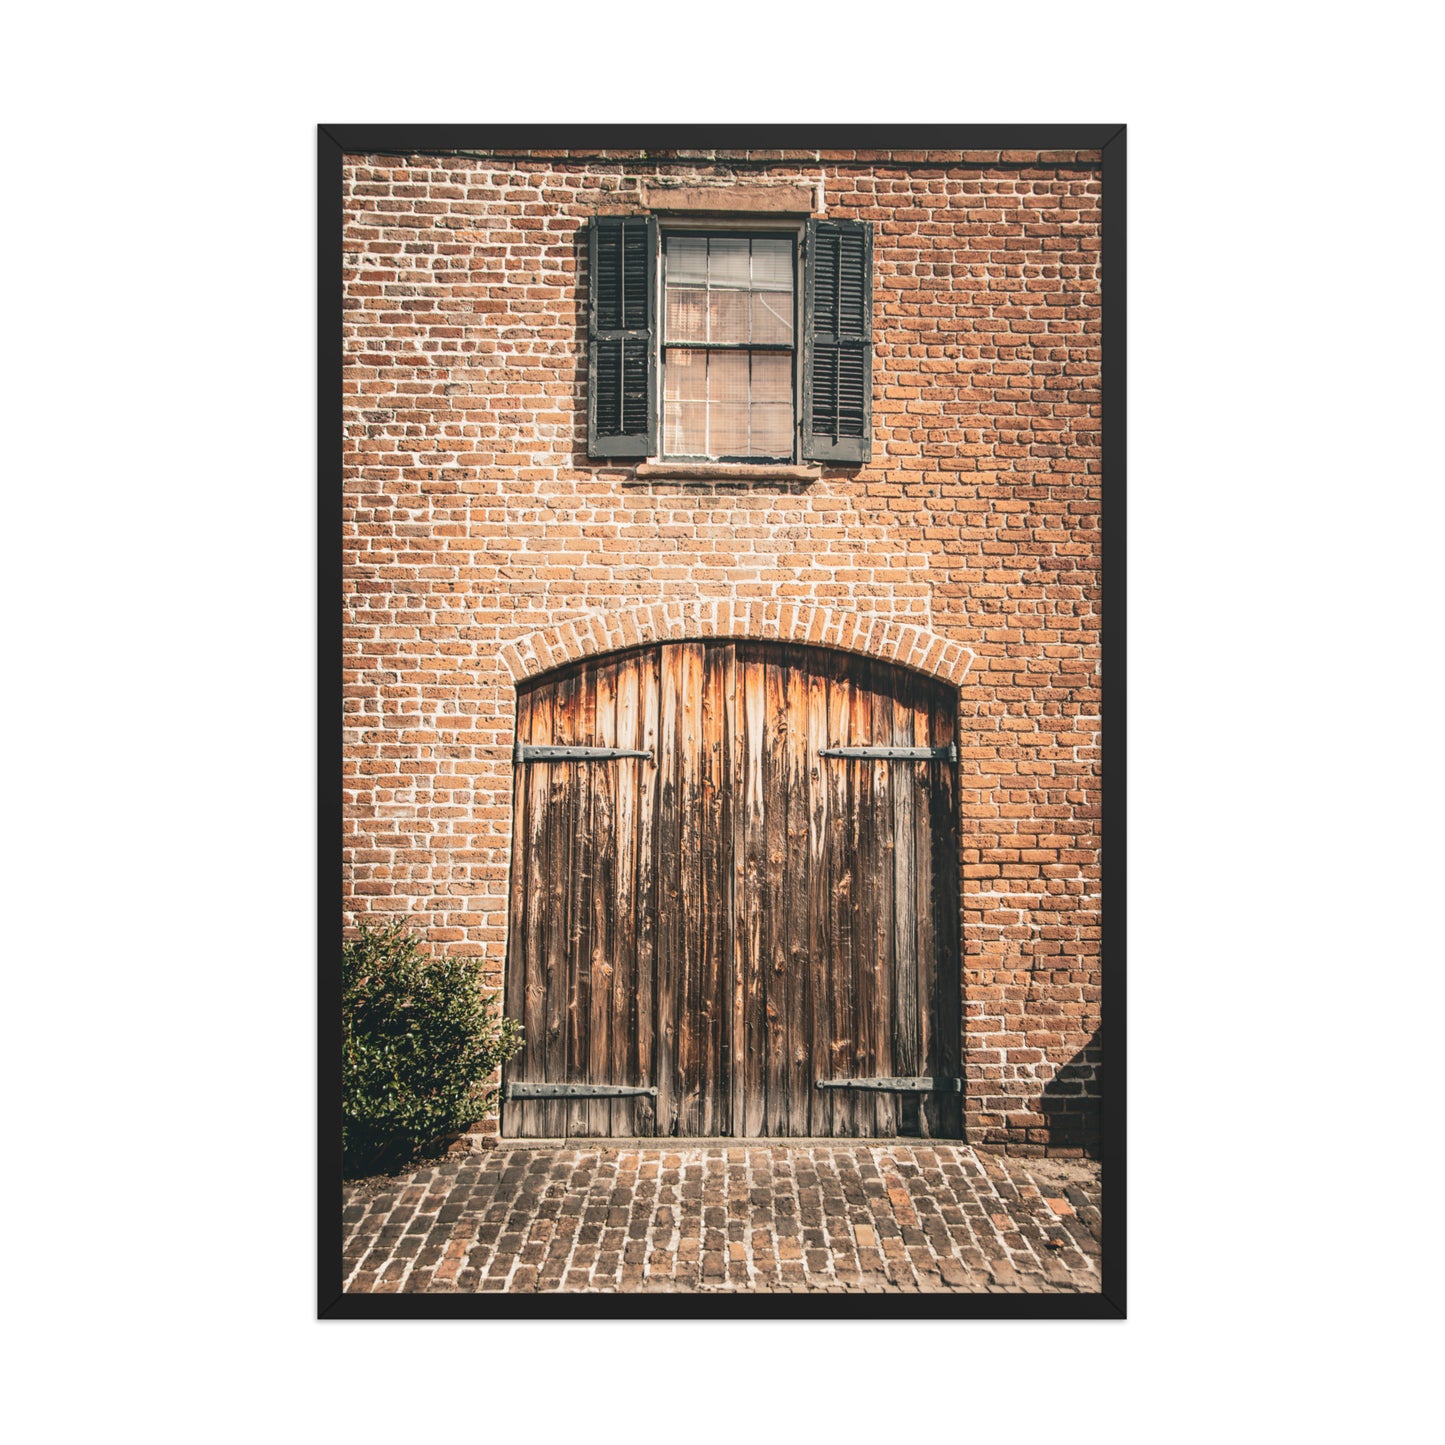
(826, 1217)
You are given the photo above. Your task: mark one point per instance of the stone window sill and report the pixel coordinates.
(725, 472)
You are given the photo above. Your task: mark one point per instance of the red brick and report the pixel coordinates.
(482, 548)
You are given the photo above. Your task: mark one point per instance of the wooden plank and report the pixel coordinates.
(848, 875)
(519, 959)
(714, 993)
(774, 881)
(708, 903)
(910, 994)
(756, 1024)
(864, 1110)
(817, 951)
(691, 1052)
(920, 779)
(727, 982)
(515, 977)
(645, 1115)
(579, 945)
(797, 1075)
(735, 1062)
(842, 960)
(542, 906)
(624, 1063)
(562, 803)
(879, 968)
(669, 891)
(600, 778)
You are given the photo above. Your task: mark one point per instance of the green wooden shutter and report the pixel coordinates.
(621, 366)
(838, 341)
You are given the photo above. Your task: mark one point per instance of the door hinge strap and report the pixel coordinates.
(530, 753)
(895, 754)
(896, 1085)
(575, 1091)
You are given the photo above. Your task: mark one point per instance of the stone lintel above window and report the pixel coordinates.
(746, 199)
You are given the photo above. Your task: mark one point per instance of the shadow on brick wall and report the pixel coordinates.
(1071, 1100)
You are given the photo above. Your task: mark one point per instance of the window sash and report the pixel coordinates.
(719, 419)
(728, 404)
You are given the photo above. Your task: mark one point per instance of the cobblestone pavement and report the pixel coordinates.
(831, 1216)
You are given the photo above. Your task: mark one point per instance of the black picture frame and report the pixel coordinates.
(333, 143)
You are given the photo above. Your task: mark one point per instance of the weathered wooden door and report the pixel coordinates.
(733, 900)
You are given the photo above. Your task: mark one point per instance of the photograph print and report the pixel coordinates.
(718, 520)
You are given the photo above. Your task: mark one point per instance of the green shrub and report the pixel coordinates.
(419, 1040)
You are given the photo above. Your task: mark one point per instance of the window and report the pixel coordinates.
(729, 345)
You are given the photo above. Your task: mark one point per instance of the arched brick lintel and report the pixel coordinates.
(903, 643)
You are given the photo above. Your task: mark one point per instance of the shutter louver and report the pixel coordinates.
(838, 344)
(621, 391)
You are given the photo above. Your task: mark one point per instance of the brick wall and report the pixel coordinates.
(481, 545)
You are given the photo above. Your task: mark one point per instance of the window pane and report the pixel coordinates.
(728, 429)
(727, 261)
(685, 428)
(772, 404)
(684, 375)
(772, 317)
(684, 409)
(686, 261)
(727, 377)
(772, 377)
(772, 264)
(772, 431)
(686, 315)
(728, 317)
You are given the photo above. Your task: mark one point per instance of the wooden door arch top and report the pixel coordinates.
(904, 644)
(733, 903)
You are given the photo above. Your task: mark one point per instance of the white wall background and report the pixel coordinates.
(1284, 624)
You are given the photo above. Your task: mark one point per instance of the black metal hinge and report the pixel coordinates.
(899, 754)
(530, 753)
(896, 1085)
(575, 1091)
